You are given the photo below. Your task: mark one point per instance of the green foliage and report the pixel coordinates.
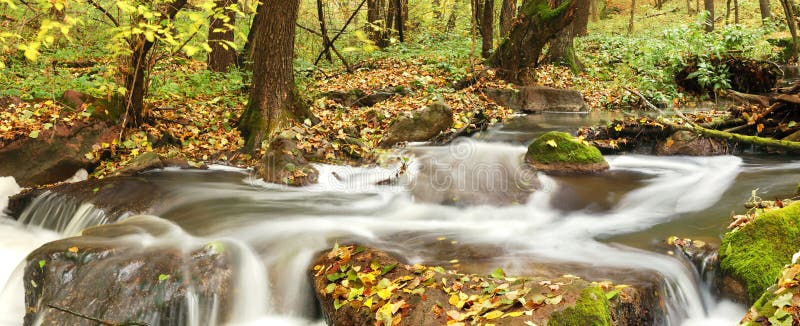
(756, 253)
(708, 75)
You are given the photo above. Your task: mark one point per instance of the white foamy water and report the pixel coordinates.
(279, 230)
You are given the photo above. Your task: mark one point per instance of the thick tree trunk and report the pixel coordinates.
(399, 19)
(507, 13)
(272, 94)
(562, 49)
(763, 5)
(519, 53)
(221, 37)
(378, 28)
(708, 6)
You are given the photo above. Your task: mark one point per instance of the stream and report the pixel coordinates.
(597, 227)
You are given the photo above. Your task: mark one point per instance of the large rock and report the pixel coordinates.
(560, 153)
(688, 143)
(55, 154)
(536, 99)
(422, 125)
(755, 253)
(116, 196)
(284, 163)
(362, 286)
(101, 276)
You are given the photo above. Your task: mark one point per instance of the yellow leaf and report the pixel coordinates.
(368, 303)
(73, 249)
(514, 314)
(760, 127)
(453, 299)
(552, 143)
(618, 127)
(493, 314)
(670, 142)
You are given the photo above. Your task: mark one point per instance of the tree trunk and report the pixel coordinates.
(221, 37)
(323, 30)
(451, 20)
(763, 5)
(437, 10)
(400, 19)
(378, 29)
(507, 14)
(633, 12)
(562, 49)
(708, 6)
(791, 20)
(593, 10)
(272, 93)
(689, 7)
(136, 76)
(519, 53)
(487, 28)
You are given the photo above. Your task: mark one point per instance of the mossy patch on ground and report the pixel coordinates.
(756, 253)
(590, 309)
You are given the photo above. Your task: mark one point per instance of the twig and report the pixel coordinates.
(104, 322)
(333, 40)
(105, 12)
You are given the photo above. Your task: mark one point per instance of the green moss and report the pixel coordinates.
(560, 147)
(591, 308)
(756, 253)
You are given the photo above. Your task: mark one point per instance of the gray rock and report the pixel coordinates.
(535, 99)
(689, 143)
(423, 125)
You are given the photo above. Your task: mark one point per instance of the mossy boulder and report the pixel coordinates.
(560, 153)
(591, 308)
(756, 252)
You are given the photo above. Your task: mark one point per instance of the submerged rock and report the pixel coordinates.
(54, 155)
(95, 275)
(755, 253)
(692, 144)
(363, 286)
(423, 125)
(284, 163)
(560, 153)
(537, 99)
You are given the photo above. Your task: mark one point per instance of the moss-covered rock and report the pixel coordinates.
(780, 304)
(560, 153)
(591, 308)
(756, 252)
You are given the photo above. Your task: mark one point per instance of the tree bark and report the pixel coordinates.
(272, 96)
(708, 6)
(451, 20)
(562, 49)
(323, 30)
(763, 5)
(221, 37)
(139, 65)
(507, 14)
(791, 20)
(378, 29)
(487, 28)
(633, 12)
(519, 53)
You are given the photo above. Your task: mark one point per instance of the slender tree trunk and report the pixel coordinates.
(633, 12)
(323, 29)
(399, 20)
(708, 6)
(451, 19)
(518, 54)
(136, 76)
(689, 7)
(593, 10)
(791, 20)
(487, 28)
(437, 9)
(507, 14)
(221, 37)
(763, 5)
(272, 94)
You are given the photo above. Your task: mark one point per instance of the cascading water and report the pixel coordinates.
(276, 231)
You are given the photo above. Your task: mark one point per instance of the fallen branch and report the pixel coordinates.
(103, 322)
(712, 133)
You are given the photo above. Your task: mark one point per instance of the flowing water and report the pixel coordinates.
(440, 212)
